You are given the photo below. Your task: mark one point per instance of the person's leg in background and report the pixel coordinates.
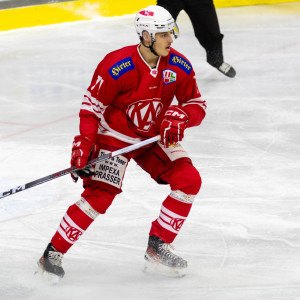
(207, 30)
(173, 6)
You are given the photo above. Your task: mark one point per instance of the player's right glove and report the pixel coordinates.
(81, 151)
(173, 125)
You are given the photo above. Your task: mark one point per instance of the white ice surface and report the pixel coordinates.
(242, 238)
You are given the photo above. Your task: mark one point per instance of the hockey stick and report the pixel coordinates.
(72, 169)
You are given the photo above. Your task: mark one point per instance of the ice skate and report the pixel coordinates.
(215, 59)
(49, 265)
(159, 259)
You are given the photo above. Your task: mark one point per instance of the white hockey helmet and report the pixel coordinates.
(154, 19)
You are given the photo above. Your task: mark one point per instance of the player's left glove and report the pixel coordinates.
(81, 152)
(173, 125)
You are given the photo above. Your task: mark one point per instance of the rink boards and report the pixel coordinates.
(54, 13)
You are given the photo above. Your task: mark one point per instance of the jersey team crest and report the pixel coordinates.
(142, 113)
(169, 76)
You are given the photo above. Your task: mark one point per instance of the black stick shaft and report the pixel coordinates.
(61, 173)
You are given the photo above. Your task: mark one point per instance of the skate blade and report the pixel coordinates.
(47, 277)
(152, 267)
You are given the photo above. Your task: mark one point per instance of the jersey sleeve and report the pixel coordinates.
(101, 92)
(189, 98)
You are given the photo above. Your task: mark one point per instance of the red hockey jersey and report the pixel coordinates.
(127, 99)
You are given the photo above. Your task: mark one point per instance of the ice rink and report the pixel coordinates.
(242, 238)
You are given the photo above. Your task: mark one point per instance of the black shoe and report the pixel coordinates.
(159, 257)
(227, 70)
(215, 59)
(51, 261)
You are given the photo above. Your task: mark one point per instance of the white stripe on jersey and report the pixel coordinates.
(92, 105)
(106, 130)
(198, 101)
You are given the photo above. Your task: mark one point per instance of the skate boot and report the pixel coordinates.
(50, 263)
(159, 259)
(215, 59)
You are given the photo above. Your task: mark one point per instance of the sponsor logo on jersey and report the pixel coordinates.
(144, 112)
(169, 76)
(121, 68)
(180, 62)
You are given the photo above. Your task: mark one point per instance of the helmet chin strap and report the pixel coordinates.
(149, 47)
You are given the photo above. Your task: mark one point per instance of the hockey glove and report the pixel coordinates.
(173, 125)
(81, 152)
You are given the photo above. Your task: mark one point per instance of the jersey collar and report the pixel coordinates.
(153, 71)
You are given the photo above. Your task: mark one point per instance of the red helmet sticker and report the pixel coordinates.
(147, 13)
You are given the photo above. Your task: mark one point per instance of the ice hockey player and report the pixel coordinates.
(130, 100)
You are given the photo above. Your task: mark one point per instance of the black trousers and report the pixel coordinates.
(203, 17)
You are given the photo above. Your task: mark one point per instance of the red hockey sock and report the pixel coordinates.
(172, 216)
(77, 219)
